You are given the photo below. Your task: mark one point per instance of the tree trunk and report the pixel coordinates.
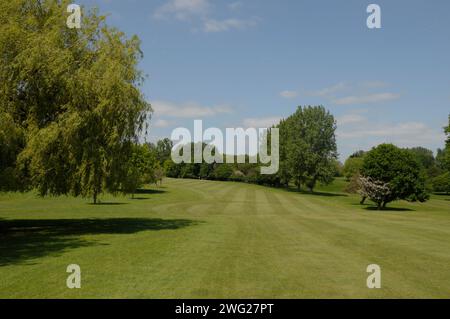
(312, 184)
(95, 197)
(363, 199)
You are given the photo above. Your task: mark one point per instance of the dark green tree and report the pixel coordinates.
(311, 146)
(163, 149)
(424, 156)
(446, 155)
(284, 172)
(171, 169)
(441, 183)
(398, 168)
(222, 172)
(12, 142)
(140, 169)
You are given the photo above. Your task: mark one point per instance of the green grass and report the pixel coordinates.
(205, 239)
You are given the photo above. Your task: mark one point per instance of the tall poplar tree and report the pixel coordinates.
(310, 146)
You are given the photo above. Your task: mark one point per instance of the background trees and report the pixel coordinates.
(162, 149)
(142, 168)
(441, 181)
(307, 155)
(73, 98)
(424, 156)
(353, 164)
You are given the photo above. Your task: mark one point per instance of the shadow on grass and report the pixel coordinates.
(149, 191)
(326, 194)
(389, 209)
(445, 195)
(143, 191)
(441, 194)
(107, 204)
(22, 240)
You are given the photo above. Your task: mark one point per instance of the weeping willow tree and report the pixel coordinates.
(72, 95)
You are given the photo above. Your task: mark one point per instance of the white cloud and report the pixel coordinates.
(262, 122)
(160, 123)
(365, 99)
(182, 9)
(356, 131)
(330, 90)
(374, 84)
(212, 25)
(405, 134)
(200, 12)
(289, 94)
(235, 5)
(361, 93)
(187, 110)
(350, 119)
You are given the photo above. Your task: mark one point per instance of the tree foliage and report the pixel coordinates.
(398, 169)
(12, 140)
(441, 183)
(308, 145)
(424, 156)
(73, 93)
(141, 167)
(446, 153)
(352, 167)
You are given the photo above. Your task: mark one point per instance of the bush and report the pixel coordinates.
(222, 172)
(441, 183)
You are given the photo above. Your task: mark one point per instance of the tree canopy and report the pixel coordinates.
(72, 97)
(308, 143)
(398, 169)
(424, 156)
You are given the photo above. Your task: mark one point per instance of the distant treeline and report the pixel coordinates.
(307, 155)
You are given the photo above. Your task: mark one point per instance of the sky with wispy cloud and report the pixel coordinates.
(249, 63)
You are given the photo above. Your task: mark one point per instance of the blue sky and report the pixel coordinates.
(251, 62)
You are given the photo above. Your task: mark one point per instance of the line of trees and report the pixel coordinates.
(308, 155)
(71, 108)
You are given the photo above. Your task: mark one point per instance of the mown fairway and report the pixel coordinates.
(204, 239)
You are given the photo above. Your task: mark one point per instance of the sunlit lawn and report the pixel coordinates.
(205, 239)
